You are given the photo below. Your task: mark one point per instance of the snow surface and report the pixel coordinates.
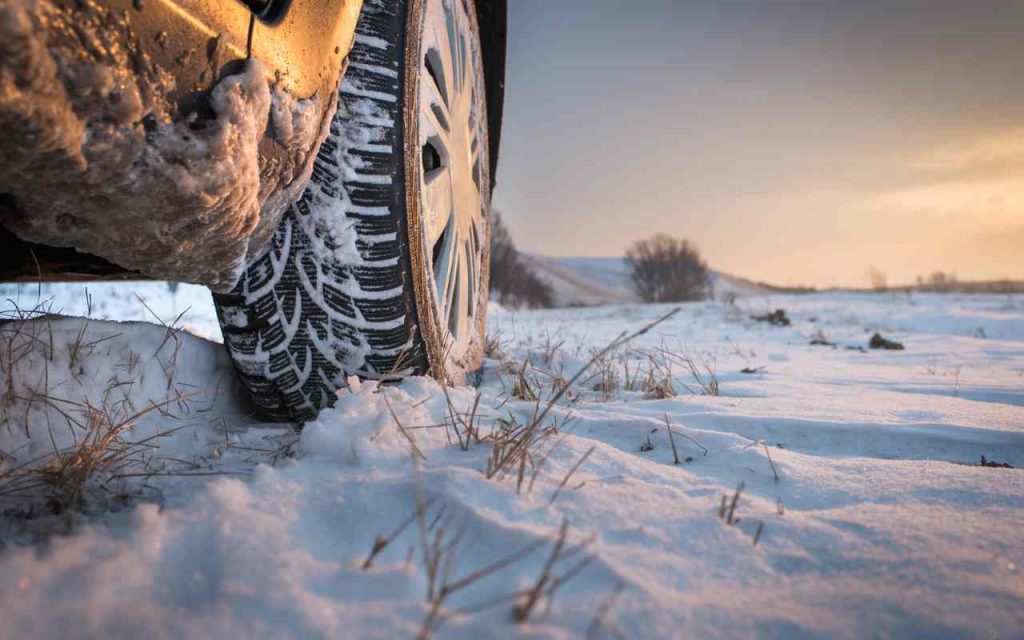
(881, 522)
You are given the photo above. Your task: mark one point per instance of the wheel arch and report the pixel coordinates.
(25, 261)
(493, 18)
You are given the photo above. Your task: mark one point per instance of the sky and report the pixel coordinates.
(794, 142)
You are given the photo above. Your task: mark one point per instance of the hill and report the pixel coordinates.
(599, 281)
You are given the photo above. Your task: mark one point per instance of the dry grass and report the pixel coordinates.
(600, 622)
(100, 454)
(88, 451)
(515, 445)
(727, 508)
(702, 369)
(727, 512)
(672, 441)
(653, 376)
(465, 424)
(549, 580)
(608, 378)
(643, 371)
(523, 386)
(440, 542)
(775, 472)
(495, 345)
(549, 348)
(565, 480)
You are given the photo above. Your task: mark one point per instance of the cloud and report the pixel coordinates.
(992, 150)
(980, 178)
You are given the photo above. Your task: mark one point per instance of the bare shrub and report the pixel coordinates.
(939, 281)
(876, 278)
(667, 269)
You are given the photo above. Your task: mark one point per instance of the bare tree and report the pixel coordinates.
(941, 281)
(876, 278)
(513, 282)
(667, 269)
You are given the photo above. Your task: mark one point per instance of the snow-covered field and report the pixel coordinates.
(864, 511)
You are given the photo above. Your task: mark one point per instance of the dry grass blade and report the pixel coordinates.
(771, 464)
(548, 581)
(381, 542)
(469, 434)
(681, 434)
(439, 551)
(672, 441)
(598, 623)
(727, 509)
(398, 423)
(522, 389)
(703, 370)
(565, 480)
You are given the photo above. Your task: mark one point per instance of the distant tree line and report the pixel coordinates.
(513, 283)
(947, 282)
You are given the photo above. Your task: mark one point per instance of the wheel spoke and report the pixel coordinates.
(474, 162)
(462, 300)
(473, 269)
(434, 66)
(466, 77)
(437, 115)
(437, 204)
(454, 62)
(442, 40)
(448, 273)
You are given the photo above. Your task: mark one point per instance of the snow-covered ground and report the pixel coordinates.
(864, 512)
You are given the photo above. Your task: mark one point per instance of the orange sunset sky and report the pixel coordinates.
(795, 142)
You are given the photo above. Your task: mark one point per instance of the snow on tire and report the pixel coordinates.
(334, 292)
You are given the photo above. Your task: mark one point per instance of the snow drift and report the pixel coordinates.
(863, 510)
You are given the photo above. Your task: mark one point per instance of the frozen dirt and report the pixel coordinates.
(864, 512)
(131, 174)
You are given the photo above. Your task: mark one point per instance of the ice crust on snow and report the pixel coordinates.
(97, 158)
(882, 523)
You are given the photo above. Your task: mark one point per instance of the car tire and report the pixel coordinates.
(367, 274)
